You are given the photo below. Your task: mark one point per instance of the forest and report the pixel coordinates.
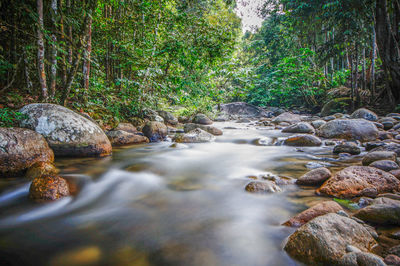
(200, 132)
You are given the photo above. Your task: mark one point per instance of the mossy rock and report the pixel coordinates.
(336, 105)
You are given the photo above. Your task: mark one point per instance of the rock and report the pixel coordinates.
(286, 117)
(378, 125)
(382, 211)
(67, 133)
(377, 156)
(155, 131)
(21, 148)
(243, 109)
(395, 250)
(361, 258)
(396, 173)
(318, 123)
(350, 148)
(389, 147)
(127, 127)
(152, 115)
(168, 117)
(392, 260)
(195, 136)
(40, 169)
(364, 114)
(314, 177)
(387, 124)
(202, 119)
(385, 165)
(210, 129)
(315, 211)
(351, 129)
(373, 144)
(262, 187)
(243, 120)
(303, 140)
(329, 118)
(385, 135)
(302, 127)
(356, 181)
(335, 105)
(323, 240)
(83, 255)
(121, 137)
(48, 188)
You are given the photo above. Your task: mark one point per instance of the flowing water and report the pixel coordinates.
(159, 204)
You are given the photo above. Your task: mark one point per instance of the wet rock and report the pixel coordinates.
(314, 165)
(267, 141)
(361, 258)
(155, 131)
(318, 123)
(262, 187)
(334, 105)
(314, 177)
(385, 165)
(350, 148)
(303, 140)
(315, 211)
(323, 240)
(243, 109)
(377, 156)
(302, 127)
(40, 169)
(243, 120)
(396, 173)
(48, 188)
(395, 147)
(373, 144)
(378, 125)
(329, 118)
(21, 148)
(202, 119)
(67, 133)
(127, 127)
(353, 129)
(382, 211)
(356, 181)
(392, 260)
(364, 114)
(387, 124)
(210, 129)
(286, 117)
(121, 137)
(395, 250)
(195, 136)
(168, 117)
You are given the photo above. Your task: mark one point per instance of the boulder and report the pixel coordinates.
(318, 123)
(210, 129)
(323, 240)
(357, 181)
(302, 127)
(314, 177)
(48, 188)
(67, 132)
(392, 260)
(243, 109)
(395, 147)
(385, 165)
(168, 117)
(382, 211)
(287, 117)
(351, 129)
(20, 148)
(195, 136)
(350, 148)
(202, 119)
(121, 137)
(364, 114)
(335, 105)
(127, 127)
(315, 211)
(303, 140)
(262, 187)
(395, 250)
(40, 169)
(155, 131)
(361, 258)
(377, 156)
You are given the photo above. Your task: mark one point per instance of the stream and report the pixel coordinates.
(158, 204)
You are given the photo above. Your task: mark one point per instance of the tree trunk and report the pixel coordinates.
(86, 56)
(53, 70)
(373, 59)
(41, 52)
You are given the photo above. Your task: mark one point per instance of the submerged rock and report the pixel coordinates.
(356, 181)
(351, 129)
(315, 211)
(202, 119)
(20, 148)
(68, 133)
(195, 136)
(155, 131)
(314, 177)
(323, 240)
(48, 188)
(262, 187)
(303, 140)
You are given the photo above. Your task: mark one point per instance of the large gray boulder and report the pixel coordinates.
(202, 119)
(323, 240)
(67, 132)
(302, 127)
(382, 211)
(210, 129)
(20, 148)
(364, 114)
(303, 140)
(155, 131)
(351, 129)
(195, 136)
(168, 117)
(287, 117)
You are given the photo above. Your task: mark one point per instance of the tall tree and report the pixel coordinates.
(41, 51)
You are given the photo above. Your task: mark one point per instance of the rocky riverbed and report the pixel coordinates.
(258, 187)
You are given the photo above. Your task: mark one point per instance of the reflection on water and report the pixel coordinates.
(163, 204)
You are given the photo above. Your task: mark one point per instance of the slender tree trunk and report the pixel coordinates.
(62, 40)
(356, 86)
(352, 82)
(53, 70)
(373, 59)
(41, 52)
(86, 57)
(26, 71)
